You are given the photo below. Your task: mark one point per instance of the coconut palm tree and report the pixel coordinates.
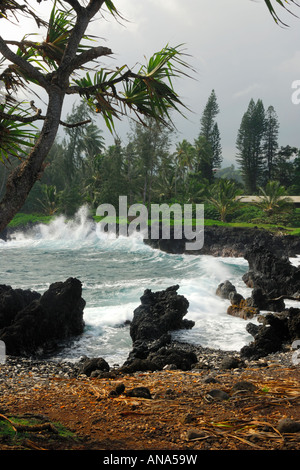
(273, 199)
(50, 200)
(224, 196)
(185, 157)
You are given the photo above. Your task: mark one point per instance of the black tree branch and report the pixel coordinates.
(31, 71)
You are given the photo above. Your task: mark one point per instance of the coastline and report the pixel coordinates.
(223, 242)
(180, 404)
(233, 242)
(219, 241)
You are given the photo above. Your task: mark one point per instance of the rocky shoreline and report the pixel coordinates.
(219, 241)
(32, 324)
(167, 395)
(222, 241)
(40, 371)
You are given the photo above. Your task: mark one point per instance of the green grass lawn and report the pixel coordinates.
(21, 220)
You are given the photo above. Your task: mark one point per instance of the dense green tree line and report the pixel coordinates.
(152, 167)
(259, 156)
(59, 175)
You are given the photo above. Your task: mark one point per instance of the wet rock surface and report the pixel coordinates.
(31, 323)
(231, 241)
(273, 274)
(272, 279)
(157, 316)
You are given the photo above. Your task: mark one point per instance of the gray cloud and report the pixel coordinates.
(234, 46)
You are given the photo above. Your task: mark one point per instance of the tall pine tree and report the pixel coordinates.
(211, 158)
(270, 141)
(249, 145)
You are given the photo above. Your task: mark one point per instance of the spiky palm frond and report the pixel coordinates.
(146, 93)
(60, 27)
(284, 4)
(10, 9)
(15, 137)
(151, 92)
(47, 54)
(224, 195)
(273, 198)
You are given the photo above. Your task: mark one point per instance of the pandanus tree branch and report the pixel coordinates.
(285, 4)
(50, 65)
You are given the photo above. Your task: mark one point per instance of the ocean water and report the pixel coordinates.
(114, 273)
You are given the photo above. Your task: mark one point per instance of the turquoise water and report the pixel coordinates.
(114, 273)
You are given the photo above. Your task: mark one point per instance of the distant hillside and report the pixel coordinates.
(230, 173)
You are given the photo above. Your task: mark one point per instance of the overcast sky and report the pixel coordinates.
(234, 46)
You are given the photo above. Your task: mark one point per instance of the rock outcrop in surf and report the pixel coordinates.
(31, 323)
(273, 279)
(154, 319)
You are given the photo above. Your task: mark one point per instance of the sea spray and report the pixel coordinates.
(114, 273)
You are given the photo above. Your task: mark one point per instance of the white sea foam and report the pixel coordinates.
(114, 274)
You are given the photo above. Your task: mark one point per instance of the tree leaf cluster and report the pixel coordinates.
(66, 63)
(56, 66)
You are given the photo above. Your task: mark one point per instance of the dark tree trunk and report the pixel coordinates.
(22, 178)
